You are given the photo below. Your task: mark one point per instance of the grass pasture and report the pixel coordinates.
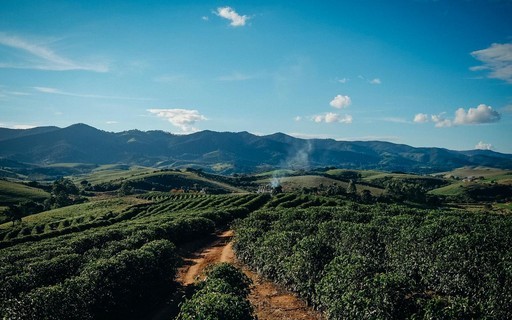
(13, 193)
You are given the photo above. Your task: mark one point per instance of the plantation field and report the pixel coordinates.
(116, 267)
(382, 261)
(346, 255)
(95, 209)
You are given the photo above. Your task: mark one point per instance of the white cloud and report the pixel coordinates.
(81, 95)
(344, 80)
(421, 118)
(483, 146)
(440, 121)
(205, 18)
(497, 59)
(375, 81)
(111, 122)
(478, 115)
(181, 118)
(331, 117)
(230, 14)
(298, 118)
(23, 126)
(43, 58)
(340, 101)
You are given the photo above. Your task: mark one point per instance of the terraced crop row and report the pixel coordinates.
(112, 268)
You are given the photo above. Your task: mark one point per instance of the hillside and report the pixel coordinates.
(225, 152)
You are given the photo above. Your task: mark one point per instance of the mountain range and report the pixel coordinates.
(227, 152)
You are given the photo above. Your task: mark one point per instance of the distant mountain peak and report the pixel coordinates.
(242, 151)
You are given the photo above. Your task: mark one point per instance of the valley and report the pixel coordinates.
(135, 228)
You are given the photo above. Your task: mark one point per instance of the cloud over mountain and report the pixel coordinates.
(181, 118)
(480, 115)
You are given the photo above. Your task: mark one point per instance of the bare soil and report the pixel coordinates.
(269, 300)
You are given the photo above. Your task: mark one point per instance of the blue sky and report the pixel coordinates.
(417, 72)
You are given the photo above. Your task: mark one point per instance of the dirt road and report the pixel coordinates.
(270, 301)
(221, 250)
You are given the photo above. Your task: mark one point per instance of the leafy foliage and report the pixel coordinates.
(357, 261)
(221, 296)
(116, 267)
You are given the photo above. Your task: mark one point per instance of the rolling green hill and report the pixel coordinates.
(229, 152)
(14, 192)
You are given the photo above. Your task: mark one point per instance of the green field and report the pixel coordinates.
(297, 183)
(88, 211)
(467, 176)
(13, 193)
(346, 254)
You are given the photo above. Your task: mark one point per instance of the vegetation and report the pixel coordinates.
(354, 244)
(221, 296)
(118, 266)
(382, 261)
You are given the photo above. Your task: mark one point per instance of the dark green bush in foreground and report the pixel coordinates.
(221, 296)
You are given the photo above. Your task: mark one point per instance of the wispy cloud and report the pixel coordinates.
(231, 15)
(497, 59)
(42, 57)
(507, 108)
(370, 81)
(236, 76)
(331, 117)
(343, 80)
(483, 146)
(5, 92)
(181, 118)
(82, 95)
(340, 101)
(482, 114)
(395, 120)
(111, 122)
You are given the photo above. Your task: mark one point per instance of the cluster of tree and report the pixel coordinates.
(221, 296)
(63, 193)
(385, 261)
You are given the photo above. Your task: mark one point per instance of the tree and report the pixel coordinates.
(125, 189)
(351, 188)
(366, 196)
(62, 190)
(15, 213)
